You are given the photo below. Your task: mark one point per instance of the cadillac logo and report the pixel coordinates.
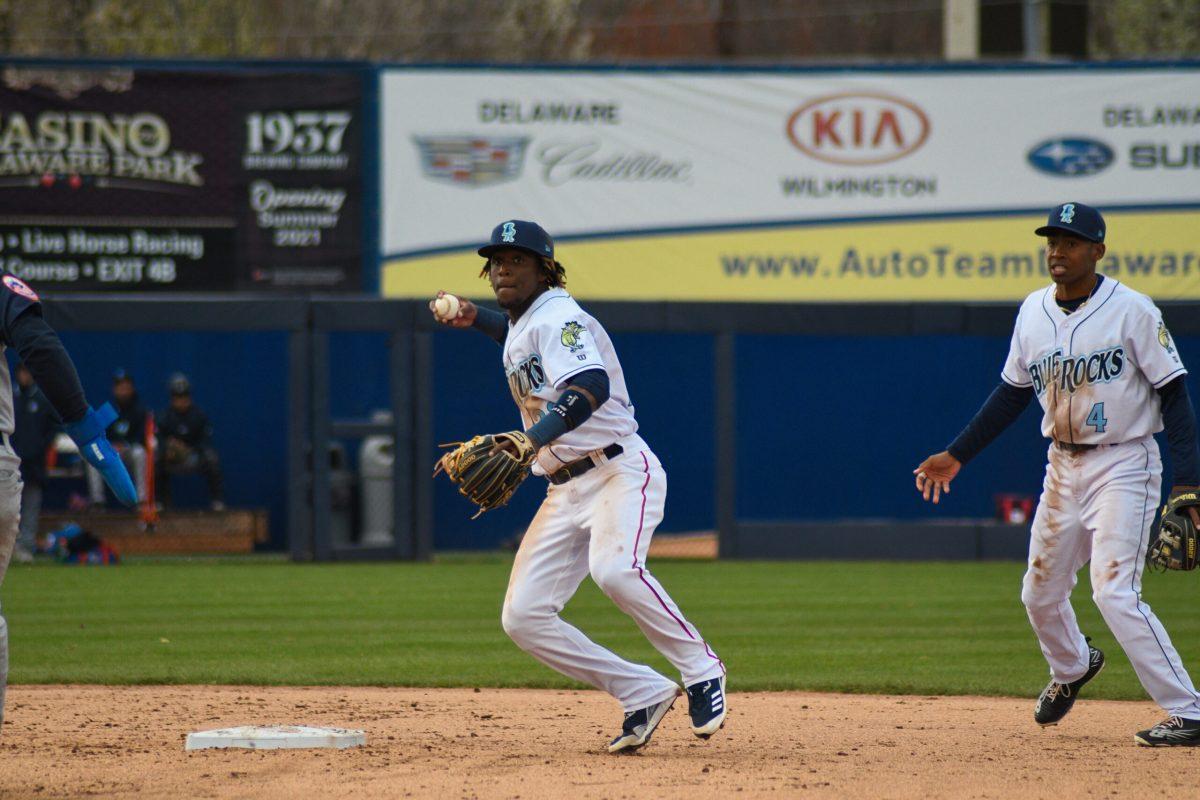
(472, 161)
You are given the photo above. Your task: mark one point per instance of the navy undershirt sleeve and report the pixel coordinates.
(43, 353)
(1179, 419)
(594, 382)
(493, 323)
(999, 411)
(554, 425)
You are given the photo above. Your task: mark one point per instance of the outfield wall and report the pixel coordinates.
(805, 185)
(826, 185)
(201, 176)
(671, 193)
(827, 426)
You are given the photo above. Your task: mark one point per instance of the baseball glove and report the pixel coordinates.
(486, 473)
(1176, 544)
(176, 452)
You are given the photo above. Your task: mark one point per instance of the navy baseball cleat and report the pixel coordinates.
(1057, 698)
(639, 725)
(706, 704)
(1174, 731)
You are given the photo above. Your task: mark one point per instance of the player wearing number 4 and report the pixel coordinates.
(605, 495)
(1106, 372)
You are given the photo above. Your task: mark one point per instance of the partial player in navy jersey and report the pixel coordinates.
(23, 329)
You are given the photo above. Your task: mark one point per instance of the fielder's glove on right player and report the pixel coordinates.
(486, 473)
(1175, 546)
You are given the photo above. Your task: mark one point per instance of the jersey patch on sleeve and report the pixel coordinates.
(18, 286)
(572, 336)
(1164, 337)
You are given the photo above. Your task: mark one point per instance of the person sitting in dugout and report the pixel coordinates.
(185, 445)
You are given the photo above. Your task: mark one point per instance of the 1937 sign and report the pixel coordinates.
(149, 179)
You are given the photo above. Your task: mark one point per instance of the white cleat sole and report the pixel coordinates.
(1162, 743)
(712, 727)
(1059, 720)
(632, 742)
(716, 723)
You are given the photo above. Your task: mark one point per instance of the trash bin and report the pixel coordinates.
(375, 458)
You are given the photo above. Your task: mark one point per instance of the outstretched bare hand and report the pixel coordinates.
(935, 473)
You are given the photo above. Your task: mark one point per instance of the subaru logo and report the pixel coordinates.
(1071, 157)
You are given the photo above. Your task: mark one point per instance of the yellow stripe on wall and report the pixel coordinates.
(991, 258)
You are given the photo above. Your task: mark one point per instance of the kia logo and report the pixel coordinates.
(1070, 157)
(858, 128)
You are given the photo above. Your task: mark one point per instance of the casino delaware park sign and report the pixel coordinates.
(807, 185)
(149, 179)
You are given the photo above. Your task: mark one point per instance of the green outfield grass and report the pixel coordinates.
(925, 628)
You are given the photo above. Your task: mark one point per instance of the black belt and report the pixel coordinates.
(577, 468)
(1071, 447)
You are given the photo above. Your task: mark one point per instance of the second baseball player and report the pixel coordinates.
(1101, 362)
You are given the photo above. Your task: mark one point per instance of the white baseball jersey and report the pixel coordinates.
(599, 523)
(551, 343)
(1095, 370)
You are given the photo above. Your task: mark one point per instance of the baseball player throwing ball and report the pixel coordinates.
(23, 329)
(1108, 376)
(605, 495)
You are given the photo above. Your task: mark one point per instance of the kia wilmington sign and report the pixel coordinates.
(807, 185)
(124, 179)
(858, 129)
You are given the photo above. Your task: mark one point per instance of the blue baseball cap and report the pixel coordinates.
(522, 235)
(1077, 218)
(178, 384)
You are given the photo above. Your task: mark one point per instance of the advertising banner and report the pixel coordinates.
(804, 186)
(132, 179)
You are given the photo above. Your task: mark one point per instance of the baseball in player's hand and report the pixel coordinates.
(935, 473)
(464, 317)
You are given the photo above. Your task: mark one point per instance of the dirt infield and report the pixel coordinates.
(455, 743)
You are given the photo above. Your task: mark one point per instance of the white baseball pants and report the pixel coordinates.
(601, 523)
(10, 518)
(1099, 504)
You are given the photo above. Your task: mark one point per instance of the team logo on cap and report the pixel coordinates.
(472, 161)
(1070, 158)
(19, 286)
(1067, 214)
(509, 233)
